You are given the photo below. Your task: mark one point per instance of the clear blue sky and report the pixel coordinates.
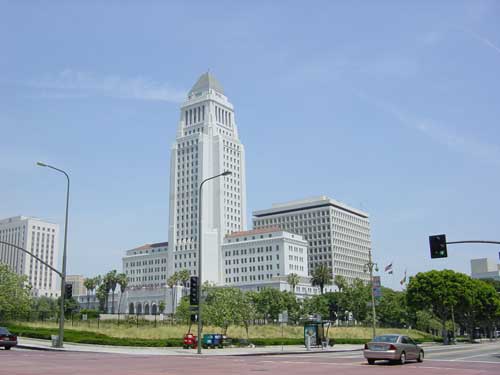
(390, 107)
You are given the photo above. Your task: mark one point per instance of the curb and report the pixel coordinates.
(42, 348)
(292, 353)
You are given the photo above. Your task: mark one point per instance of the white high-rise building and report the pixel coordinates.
(338, 235)
(207, 144)
(39, 237)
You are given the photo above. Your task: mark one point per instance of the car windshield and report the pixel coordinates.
(386, 338)
(4, 331)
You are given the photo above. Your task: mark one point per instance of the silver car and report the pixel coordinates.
(393, 348)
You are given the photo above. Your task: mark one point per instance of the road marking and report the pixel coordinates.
(455, 360)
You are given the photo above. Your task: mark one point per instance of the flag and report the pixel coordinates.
(388, 268)
(390, 272)
(403, 280)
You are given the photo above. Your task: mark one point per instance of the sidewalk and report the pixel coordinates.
(37, 344)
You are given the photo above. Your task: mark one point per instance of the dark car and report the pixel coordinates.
(7, 339)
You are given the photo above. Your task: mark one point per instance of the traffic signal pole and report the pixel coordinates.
(473, 241)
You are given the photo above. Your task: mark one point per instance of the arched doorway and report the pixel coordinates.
(146, 308)
(139, 308)
(154, 309)
(131, 308)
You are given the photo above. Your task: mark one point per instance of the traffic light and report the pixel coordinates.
(68, 291)
(194, 318)
(193, 290)
(437, 244)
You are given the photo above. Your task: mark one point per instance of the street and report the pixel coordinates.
(460, 359)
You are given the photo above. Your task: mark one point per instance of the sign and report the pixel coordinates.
(162, 317)
(84, 316)
(283, 317)
(377, 288)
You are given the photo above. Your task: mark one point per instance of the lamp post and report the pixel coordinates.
(368, 267)
(225, 173)
(63, 271)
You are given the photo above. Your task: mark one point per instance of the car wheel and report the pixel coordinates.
(7, 348)
(402, 359)
(371, 361)
(420, 357)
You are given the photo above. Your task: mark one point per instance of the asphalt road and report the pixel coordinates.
(461, 360)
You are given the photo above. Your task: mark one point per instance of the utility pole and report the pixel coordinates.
(368, 267)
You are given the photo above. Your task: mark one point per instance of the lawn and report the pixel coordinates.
(164, 331)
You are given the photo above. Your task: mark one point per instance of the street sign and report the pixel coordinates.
(377, 288)
(283, 317)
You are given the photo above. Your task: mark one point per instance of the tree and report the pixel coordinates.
(358, 295)
(161, 306)
(183, 313)
(223, 307)
(440, 292)
(14, 295)
(102, 296)
(184, 277)
(340, 282)
(246, 309)
(110, 280)
(122, 280)
(293, 279)
(268, 303)
(90, 284)
(321, 276)
(46, 307)
(391, 310)
(172, 282)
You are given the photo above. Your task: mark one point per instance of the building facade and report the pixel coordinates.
(40, 238)
(77, 283)
(338, 235)
(146, 266)
(255, 256)
(484, 268)
(207, 144)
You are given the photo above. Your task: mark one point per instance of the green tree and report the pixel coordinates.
(14, 295)
(222, 307)
(321, 276)
(184, 277)
(102, 297)
(111, 281)
(183, 313)
(340, 282)
(172, 282)
(122, 280)
(45, 307)
(391, 309)
(246, 309)
(293, 279)
(358, 295)
(440, 292)
(90, 284)
(268, 303)
(161, 306)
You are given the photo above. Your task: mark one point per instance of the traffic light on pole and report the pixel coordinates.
(68, 291)
(437, 244)
(193, 290)
(332, 311)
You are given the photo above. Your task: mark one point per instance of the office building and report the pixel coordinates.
(146, 266)
(338, 235)
(38, 237)
(484, 268)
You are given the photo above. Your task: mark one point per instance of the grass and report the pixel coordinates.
(125, 334)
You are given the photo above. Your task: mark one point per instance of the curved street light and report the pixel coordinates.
(63, 272)
(225, 173)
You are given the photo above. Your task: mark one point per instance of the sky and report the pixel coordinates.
(392, 107)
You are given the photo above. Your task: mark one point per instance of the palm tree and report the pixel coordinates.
(171, 282)
(90, 284)
(321, 276)
(111, 283)
(293, 279)
(340, 282)
(122, 280)
(184, 276)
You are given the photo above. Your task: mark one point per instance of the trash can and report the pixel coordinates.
(55, 340)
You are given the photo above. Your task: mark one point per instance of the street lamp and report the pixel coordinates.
(200, 283)
(369, 267)
(63, 272)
